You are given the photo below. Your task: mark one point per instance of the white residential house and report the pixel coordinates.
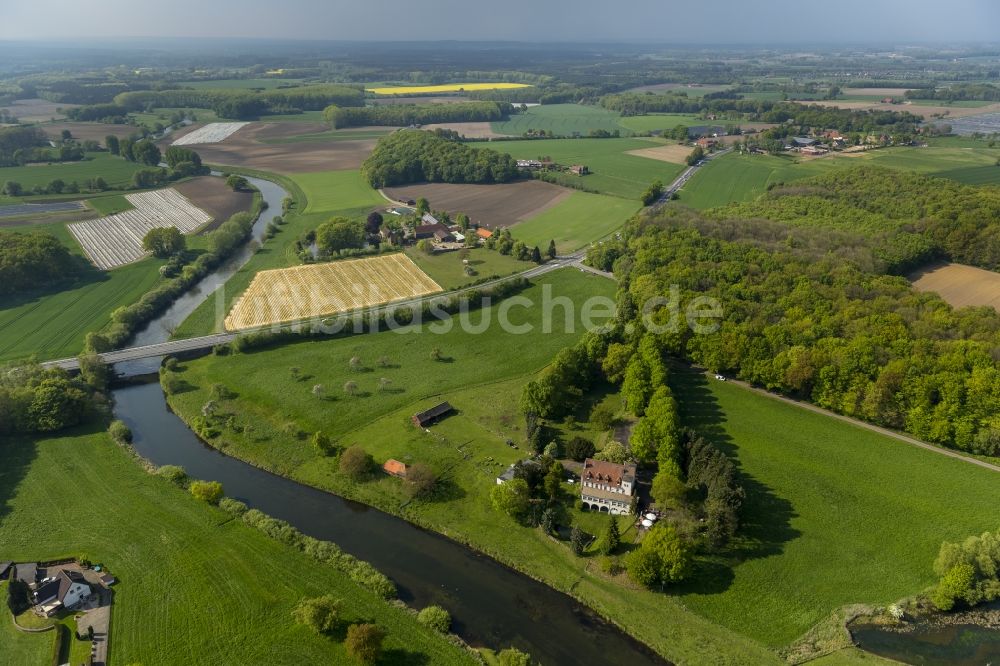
(65, 590)
(607, 487)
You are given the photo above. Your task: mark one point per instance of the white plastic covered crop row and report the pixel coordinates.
(116, 240)
(210, 133)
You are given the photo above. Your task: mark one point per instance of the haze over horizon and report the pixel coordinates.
(708, 21)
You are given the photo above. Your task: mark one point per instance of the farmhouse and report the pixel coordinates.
(484, 233)
(437, 231)
(607, 487)
(429, 416)
(394, 468)
(706, 142)
(65, 590)
(531, 165)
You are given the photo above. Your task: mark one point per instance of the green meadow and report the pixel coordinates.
(329, 191)
(116, 171)
(448, 269)
(614, 171)
(661, 121)
(195, 586)
(560, 119)
(575, 222)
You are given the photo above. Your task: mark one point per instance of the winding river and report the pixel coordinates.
(492, 605)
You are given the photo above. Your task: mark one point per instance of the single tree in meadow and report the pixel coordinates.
(364, 642)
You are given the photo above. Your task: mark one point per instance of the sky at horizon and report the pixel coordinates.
(687, 21)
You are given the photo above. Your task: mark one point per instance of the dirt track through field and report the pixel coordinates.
(490, 206)
(960, 285)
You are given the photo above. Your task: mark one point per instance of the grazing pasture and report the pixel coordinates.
(445, 88)
(116, 240)
(210, 133)
(575, 222)
(195, 586)
(318, 290)
(448, 268)
(613, 170)
(491, 206)
(960, 285)
(660, 121)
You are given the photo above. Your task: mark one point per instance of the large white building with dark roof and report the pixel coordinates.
(607, 487)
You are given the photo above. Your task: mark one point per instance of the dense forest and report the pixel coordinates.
(244, 104)
(18, 142)
(34, 261)
(414, 156)
(911, 218)
(806, 312)
(33, 399)
(403, 115)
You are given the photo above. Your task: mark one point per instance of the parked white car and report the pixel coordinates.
(721, 378)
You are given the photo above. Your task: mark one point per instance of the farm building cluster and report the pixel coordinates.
(57, 587)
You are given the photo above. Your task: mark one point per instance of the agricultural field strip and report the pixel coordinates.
(315, 290)
(210, 133)
(116, 240)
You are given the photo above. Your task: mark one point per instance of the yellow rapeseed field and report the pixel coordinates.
(320, 290)
(448, 87)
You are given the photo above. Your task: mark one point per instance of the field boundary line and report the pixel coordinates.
(906, 439)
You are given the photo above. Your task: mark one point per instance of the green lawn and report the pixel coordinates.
(110, 205)
(613, 170)
(447, 269)
(973, 175)
(336, 191)
(575, 222)
(116, 171)
(195, 586)
(54, 324)
(560, 119)
(20, 648)
(835, 514)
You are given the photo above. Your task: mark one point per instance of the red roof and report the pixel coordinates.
(484, 233)
(394, 467)
(606, 472)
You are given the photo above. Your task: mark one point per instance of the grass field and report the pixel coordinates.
(54, 324)
(576, 221)
(560, 119)
(318, 290)
(614, 172)
(21, 648)
(329, 191)
(836, 514)
(114, 170)
(447, 269)
(109, 205)
(195, 587)
(445, 88)
(660, 121)
(741, 177)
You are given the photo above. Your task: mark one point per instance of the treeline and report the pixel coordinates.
(412, 114)
(102, 113)
(34, 261)
(414, 156)
(802, 115)
(969, 572)
(242, 104)
(15, 142)
(35, 399)
(958, 92)
(911, 218)
(806, 317)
